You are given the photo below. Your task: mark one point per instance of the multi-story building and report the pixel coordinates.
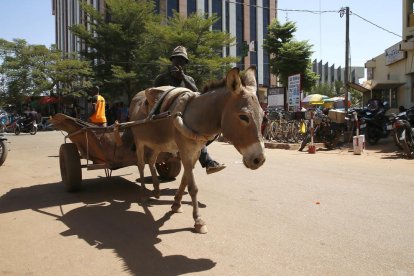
(390, 76)
(247, 20)
(330, 74)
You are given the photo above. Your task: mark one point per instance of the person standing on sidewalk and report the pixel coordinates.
(175, 76)
(97, 115)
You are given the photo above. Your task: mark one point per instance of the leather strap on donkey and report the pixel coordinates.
(179, 123)
(156, 109)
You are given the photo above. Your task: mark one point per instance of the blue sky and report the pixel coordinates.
(326, 32)
(28, 19)
(33, 20)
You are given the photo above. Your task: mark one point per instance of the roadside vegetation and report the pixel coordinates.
(125, 49)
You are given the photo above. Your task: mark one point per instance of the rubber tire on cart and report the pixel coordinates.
(70, 167)
(3, 151)
(169, 169)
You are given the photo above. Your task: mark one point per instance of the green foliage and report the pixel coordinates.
(30, 70)
(324, 89)
(337, 89)
(204, 46)
(122, 50)
(289, 56)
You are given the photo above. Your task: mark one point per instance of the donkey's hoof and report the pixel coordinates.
(200, 226)
(176, 208)
(201, 229)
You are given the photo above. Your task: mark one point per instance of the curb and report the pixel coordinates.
(286, 146)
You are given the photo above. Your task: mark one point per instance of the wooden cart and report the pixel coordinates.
(107, 148)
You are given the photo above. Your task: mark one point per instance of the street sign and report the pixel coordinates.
(294, 92)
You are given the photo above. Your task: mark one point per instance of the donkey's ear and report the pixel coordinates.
(233, 81)
(249, 77)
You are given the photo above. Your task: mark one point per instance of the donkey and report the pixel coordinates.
(229, 106)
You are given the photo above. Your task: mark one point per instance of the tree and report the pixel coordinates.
(32, 70)
(119, 46)
(204, 45)
(289, 56)
(20, 70)
(127, 47)
(324, 89)
(71, 74)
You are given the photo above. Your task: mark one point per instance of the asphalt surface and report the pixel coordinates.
(328, 213)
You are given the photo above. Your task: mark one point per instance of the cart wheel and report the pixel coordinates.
(70, 167)
(3, 151)
(169, 169)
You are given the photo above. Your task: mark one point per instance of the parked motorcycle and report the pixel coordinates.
(3, 149)
(374, 123)
(3, 121)
(25, 125)
(325, 131)
(403, 131)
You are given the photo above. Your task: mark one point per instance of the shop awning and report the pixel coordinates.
(387, 84)
(358, 87)
(369, 85)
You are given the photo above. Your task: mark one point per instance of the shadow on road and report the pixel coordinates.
(105, 222)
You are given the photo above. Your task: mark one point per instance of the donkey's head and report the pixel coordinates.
(242, 117)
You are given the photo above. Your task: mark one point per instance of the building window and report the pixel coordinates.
(191, 6)
(410, 14)
(239, 32)
(266, 22)
(218, 10)
(172, 5)
(227, 26)
(412, 94)
(253, 31)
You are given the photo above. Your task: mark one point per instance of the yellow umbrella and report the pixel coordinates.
(315, 99)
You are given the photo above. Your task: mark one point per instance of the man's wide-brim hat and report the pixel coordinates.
(179, 51)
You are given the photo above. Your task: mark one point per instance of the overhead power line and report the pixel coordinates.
(275, 9)
(317, 12)
(376, 25)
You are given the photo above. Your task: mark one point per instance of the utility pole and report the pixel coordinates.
(346, 79)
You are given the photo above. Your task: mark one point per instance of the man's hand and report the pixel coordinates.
(178, 72)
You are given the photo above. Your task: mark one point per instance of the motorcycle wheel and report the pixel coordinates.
(17, 130)
(33, 130)
(408, 145)
(3, 151)
(372, 137)
(395, 136)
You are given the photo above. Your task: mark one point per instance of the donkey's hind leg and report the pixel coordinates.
(155, 180)
(141, 166)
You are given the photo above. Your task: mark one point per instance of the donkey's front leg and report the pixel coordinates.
(155, 179)
(200, 224)
(188, 180)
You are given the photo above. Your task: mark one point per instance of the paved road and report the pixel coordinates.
(329, 213)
